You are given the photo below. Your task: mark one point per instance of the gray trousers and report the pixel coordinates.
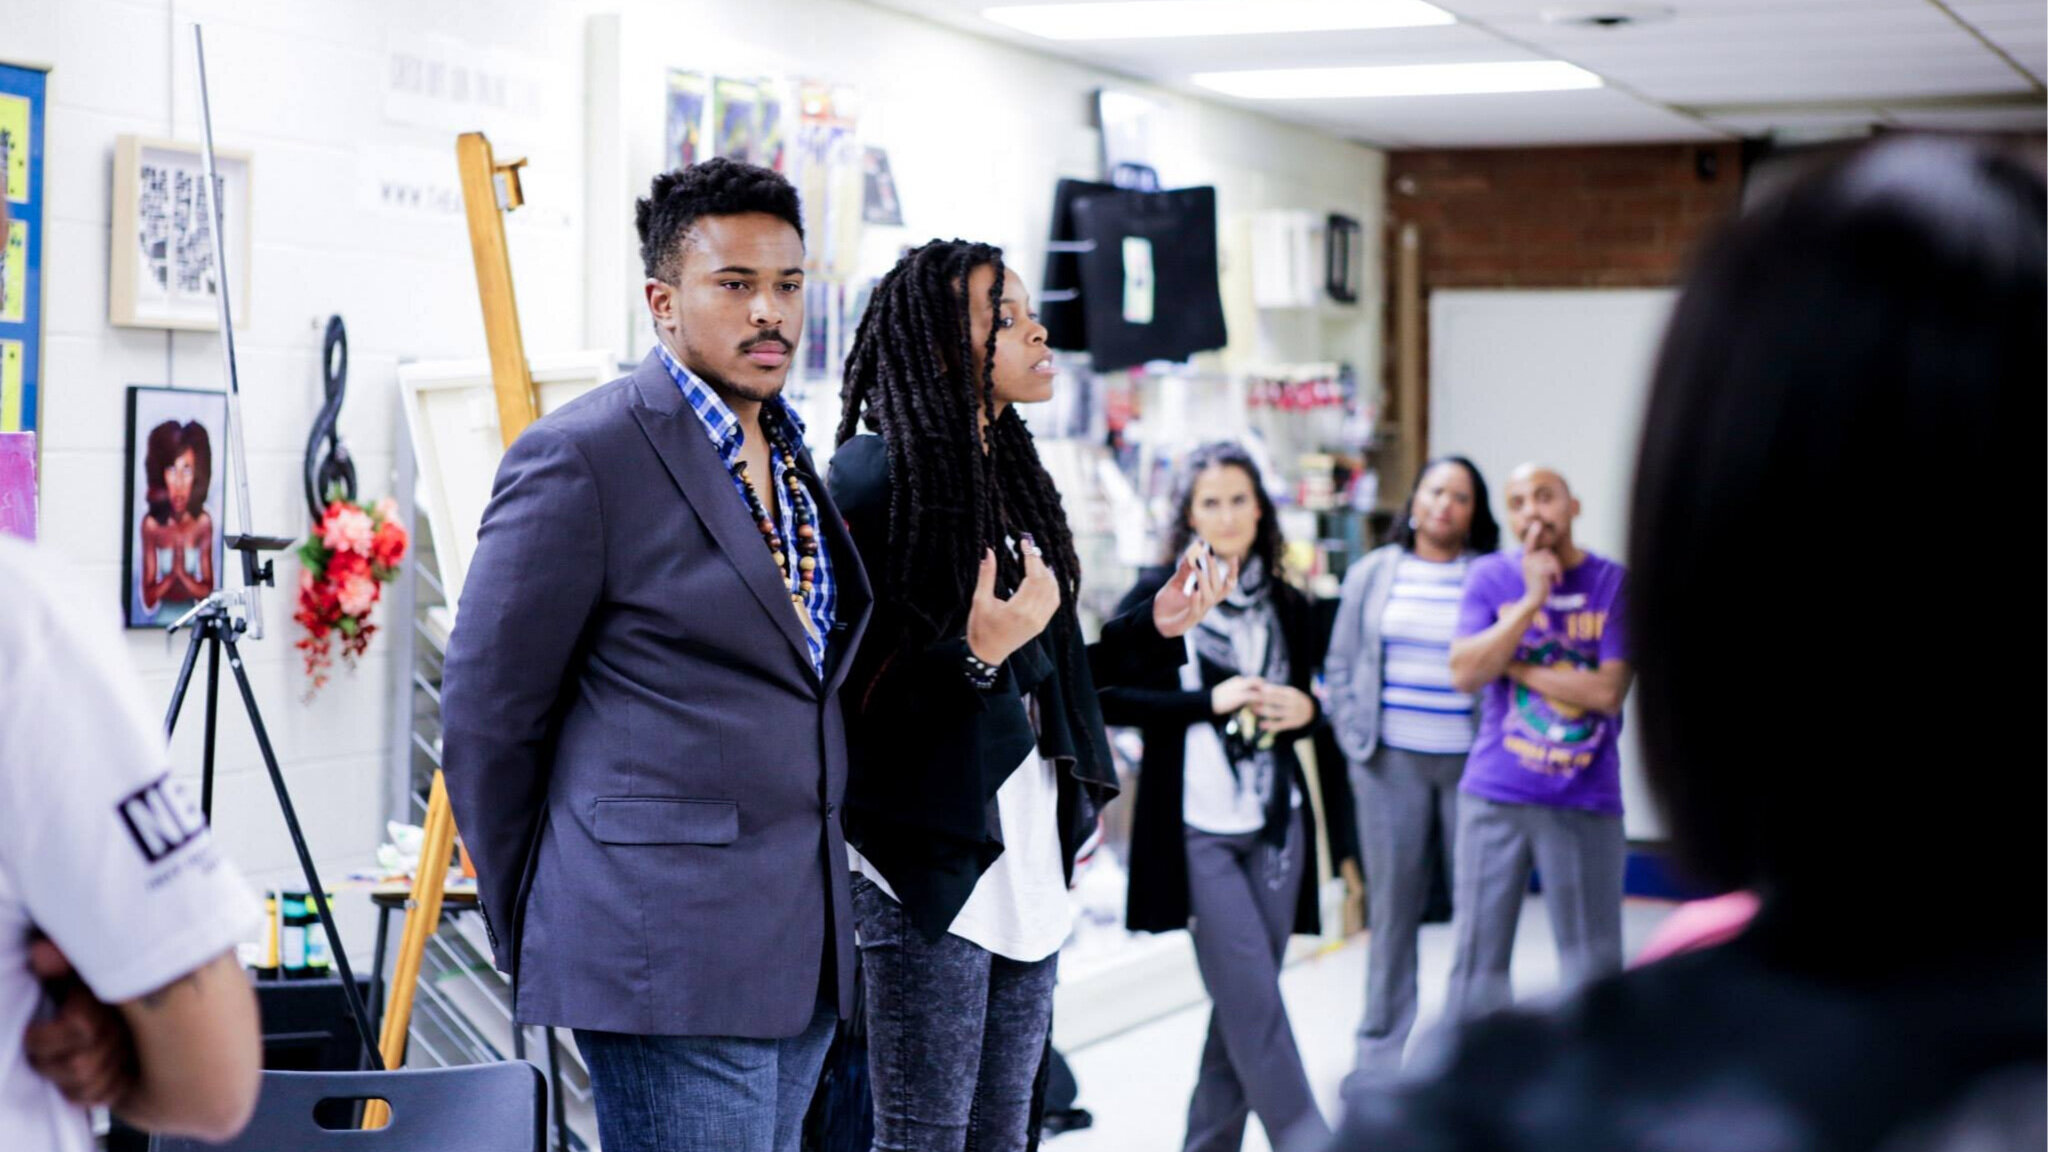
(1242, 895)
(1399, 794)
(1581, 856)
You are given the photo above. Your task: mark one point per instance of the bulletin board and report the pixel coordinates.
(22, 103)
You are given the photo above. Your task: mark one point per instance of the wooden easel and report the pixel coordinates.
(489, 189)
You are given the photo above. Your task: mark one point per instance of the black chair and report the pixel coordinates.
(473, 1108)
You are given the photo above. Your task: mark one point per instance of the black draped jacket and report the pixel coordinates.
(927, 750)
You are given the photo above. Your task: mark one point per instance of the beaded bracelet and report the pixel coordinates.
(981, 673)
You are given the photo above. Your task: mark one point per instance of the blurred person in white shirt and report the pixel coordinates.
(119, 915)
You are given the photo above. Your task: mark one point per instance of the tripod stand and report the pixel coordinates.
(215, 626)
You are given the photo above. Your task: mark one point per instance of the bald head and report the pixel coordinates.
(1541, 509)
(1534, 471)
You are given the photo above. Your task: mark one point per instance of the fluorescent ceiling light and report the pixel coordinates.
(1165, 19)
(1399, 80)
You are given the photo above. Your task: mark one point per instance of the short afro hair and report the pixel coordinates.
(715, 187)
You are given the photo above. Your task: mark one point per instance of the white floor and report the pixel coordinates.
(1137, 1083)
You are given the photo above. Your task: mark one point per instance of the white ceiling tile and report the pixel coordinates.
(1977, 11)
(2018, 43)
(1447, 44)
(1791, 89)
(1758, 37)
(1875, 78)
(1786, 23)
(1800, 122)
(1903, 62)
(2013, 24)
(1977, 120)
(1529, 10)
(1589, 116)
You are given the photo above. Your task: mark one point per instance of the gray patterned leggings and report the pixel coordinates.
(956, 1034)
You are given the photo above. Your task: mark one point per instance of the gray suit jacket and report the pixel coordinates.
(642, 761)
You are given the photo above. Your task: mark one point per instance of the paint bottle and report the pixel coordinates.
(266, 965)
(292, 923)
(319, 960)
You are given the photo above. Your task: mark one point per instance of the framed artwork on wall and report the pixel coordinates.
(653, 107)
(172, 550)
(22, 151)
(163, 273)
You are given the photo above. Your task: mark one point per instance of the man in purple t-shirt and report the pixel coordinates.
(1543, 635)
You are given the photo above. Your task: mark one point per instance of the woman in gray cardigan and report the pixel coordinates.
(1404, 729)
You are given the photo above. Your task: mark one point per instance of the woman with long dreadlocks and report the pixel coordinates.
(978, 757)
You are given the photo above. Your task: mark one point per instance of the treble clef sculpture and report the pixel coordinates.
(329, 466)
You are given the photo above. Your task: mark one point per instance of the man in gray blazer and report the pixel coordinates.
(643, 741)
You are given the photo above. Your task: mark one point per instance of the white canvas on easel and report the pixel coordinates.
(451, 411)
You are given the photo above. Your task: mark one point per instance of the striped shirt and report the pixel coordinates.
(1419, 710)
(724, 429)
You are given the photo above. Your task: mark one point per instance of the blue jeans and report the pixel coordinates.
(704, 1093)
(956, 1034)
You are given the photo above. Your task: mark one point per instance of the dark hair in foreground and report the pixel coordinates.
(910, 377)
(1266, 544)
(1484, 535)
(1834, 701)
(715, 187)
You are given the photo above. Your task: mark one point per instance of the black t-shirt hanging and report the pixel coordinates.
(1149, 285)
(1060, 308)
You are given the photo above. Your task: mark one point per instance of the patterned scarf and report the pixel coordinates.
(1241, 637)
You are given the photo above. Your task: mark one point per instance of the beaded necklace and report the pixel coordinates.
(804, 511)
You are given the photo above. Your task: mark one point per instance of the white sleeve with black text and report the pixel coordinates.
(108, 852)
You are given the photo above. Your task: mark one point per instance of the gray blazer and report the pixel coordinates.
(1351, 670)
(644, 764)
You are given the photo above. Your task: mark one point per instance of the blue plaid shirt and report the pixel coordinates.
(724, 430)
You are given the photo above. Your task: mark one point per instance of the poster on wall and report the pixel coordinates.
(683, 142)
(736, 119)
(21, 246)
(825, 166)
(163, 273)
(878, 204)
(14, 272)
(17, 140)
(774, 149)
(18, 484)
(171, 550)
(748, 120)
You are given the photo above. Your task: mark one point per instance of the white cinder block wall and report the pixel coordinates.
(976, 131)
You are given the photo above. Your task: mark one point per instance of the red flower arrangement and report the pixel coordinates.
(353, 552)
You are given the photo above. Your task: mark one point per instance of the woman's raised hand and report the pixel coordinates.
(997, 627)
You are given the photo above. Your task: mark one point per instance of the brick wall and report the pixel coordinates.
(1595, 217)
(1561, 217)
